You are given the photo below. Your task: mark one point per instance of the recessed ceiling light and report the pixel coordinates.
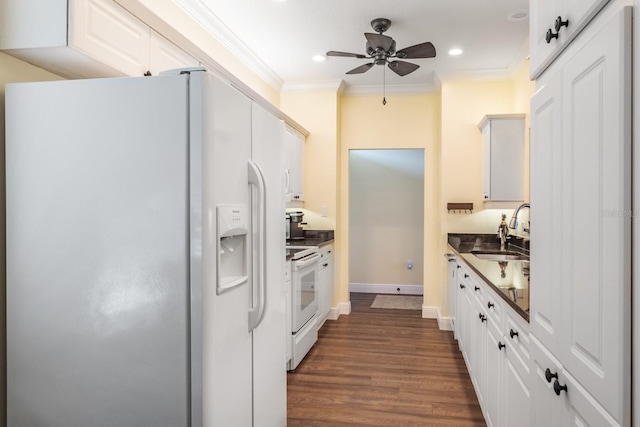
(319, 58)
(518, 15)
(455, 52)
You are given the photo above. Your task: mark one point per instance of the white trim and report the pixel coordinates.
(415, 89)
(209, 21)
(432, 312)
(429, 312)
(445, 323)
(382, 288)
(333, 314)
(344, 308)
(316, 86)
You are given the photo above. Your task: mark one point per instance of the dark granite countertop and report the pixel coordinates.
(313, 238)
(510, 279)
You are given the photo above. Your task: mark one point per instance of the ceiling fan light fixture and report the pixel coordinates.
(319, 58)
(455, 51)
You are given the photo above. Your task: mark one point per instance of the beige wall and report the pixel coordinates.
(405, 122)
(463, 106)
(318, 113)
(11, 70)
(444, 124)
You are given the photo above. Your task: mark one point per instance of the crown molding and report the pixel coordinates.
(205, 17)
(414, 89)
(315, 86)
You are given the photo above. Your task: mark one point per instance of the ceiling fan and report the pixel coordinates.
(381, 49)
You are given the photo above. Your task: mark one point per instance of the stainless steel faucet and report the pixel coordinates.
(514, 219)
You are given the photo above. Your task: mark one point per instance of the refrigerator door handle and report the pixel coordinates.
(257, 311)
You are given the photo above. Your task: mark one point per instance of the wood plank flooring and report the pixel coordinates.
(382, 367)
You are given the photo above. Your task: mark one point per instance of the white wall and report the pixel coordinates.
(386, 216)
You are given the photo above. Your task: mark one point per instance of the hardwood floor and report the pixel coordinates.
(381, 367)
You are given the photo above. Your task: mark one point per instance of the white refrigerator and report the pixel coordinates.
(145, 248)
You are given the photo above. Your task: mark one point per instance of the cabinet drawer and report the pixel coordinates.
(494, 307)
(478, 290)
(326, 252)
(516, 333)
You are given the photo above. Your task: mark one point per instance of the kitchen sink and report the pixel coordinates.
(500, 256)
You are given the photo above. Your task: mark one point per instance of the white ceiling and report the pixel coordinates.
(278, 38)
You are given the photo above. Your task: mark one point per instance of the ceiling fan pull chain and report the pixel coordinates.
(384, 86)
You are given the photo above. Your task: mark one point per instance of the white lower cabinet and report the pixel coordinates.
(516, 378)
(495, 342)
(558, 398)
(477, 352)
(494, 373)
(325, 283)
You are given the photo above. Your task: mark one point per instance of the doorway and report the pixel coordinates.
(386, 221)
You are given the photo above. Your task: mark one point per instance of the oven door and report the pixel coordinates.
(304, 295)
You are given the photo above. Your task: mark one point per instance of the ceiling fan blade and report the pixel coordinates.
(422, 50)
(361, 69)
(403, 68)
(379, 40)
(345, 54)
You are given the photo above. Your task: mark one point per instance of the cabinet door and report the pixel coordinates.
(494, 370)
(596, 220)
(546, 198)
(546, 408)
(580, 408)
(462, 312)
(543, 15)
(515, 392)
(477, 352)
(486, 148)
(164, 55)
(106, 32)
(507, 159)
(294, 165)
(329, 284)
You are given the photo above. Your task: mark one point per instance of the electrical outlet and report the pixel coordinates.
(409, 265)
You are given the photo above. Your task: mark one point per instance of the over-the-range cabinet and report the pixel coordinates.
(580, 234)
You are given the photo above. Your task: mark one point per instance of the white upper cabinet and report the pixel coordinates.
(553, 24)
(109, 34)
(503, 145)
(164, 55)
(294, 165)
(85, 38)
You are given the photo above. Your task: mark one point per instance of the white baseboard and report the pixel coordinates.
(344, 308)
(381, 288)
(444, 323)
(430, 312)
(341, 308)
